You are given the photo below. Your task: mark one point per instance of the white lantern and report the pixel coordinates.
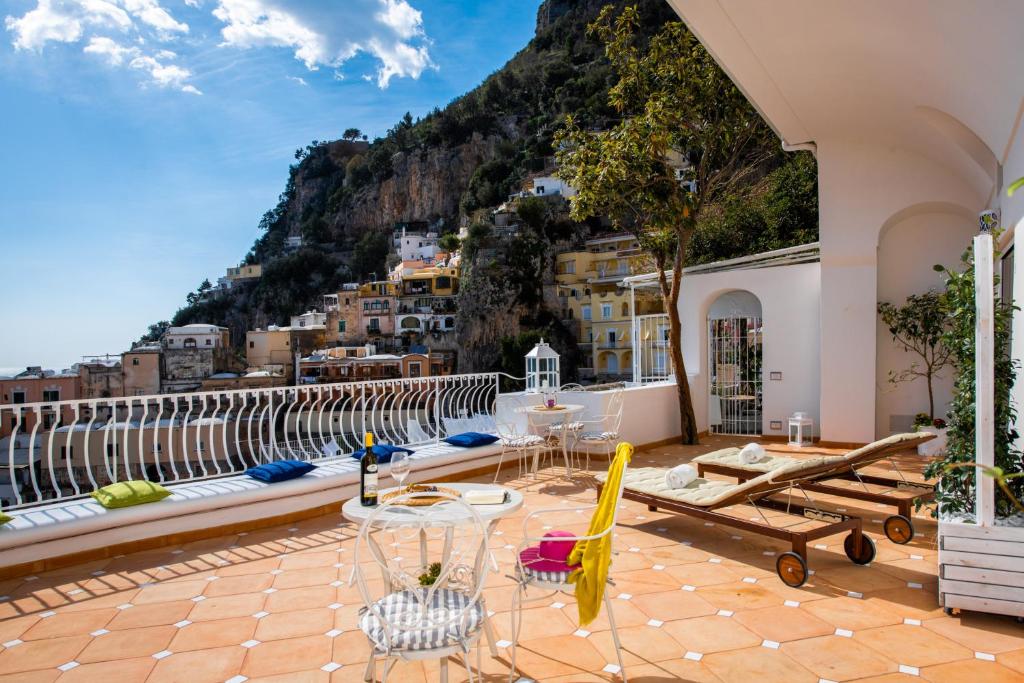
(542, 374)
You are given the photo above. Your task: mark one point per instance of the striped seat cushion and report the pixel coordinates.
(548, 577)
(599, 436)
(522, 441)
(572, 427)
(448, 619)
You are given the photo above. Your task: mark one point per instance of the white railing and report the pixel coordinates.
(651, 359)
(67, 449)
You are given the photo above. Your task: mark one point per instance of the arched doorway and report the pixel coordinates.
(735, 341)
(609, 363)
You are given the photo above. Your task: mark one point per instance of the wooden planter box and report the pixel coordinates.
(981, 568)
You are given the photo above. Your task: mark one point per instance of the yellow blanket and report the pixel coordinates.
(595, 556)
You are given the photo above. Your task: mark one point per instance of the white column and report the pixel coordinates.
(634, 335)
(984, 377)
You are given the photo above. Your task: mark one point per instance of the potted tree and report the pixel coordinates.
(918, 326)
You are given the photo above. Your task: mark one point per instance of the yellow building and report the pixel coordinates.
(594, 305)
(245, 272)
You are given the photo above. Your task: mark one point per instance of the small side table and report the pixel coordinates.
(801, 431)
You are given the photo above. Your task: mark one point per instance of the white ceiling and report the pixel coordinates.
(940, 78)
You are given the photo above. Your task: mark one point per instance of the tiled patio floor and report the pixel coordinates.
(693, 602)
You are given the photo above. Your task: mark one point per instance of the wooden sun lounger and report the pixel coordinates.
(705, 498)
(838, 476)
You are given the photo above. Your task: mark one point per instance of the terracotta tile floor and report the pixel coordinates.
(693, 603)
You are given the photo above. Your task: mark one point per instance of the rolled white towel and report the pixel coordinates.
(752, 453)
(680, 476)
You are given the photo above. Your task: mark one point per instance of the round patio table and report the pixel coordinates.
(558, 415)
(354, 511)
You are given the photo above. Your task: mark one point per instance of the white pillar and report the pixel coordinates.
(635, 335)
(984, 377)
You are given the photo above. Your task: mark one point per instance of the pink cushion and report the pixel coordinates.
(551, 554)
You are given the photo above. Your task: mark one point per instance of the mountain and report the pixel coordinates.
(343, 198)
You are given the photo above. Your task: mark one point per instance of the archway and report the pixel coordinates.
(910, 243)
(735, 341)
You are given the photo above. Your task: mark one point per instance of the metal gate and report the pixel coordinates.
(735, 340)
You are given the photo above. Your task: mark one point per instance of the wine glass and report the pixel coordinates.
(400, 467)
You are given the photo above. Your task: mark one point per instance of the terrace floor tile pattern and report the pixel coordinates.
(704, 605)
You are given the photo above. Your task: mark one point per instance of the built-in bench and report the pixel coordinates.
(78, 526)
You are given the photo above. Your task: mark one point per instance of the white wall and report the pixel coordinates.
(864, 190)
(789, 297)
(1013, 219)
(650, 413)
(907, 252)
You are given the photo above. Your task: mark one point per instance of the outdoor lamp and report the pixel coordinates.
(542, 374)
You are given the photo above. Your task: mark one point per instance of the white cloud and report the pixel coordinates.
(133, 34)
(150, 12)
(330, 33)
(64, 21)
(298, 79)
(160, 73)
(103, 25)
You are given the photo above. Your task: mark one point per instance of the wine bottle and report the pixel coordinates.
(368, 473)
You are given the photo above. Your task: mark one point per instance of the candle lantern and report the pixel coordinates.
(542, 373)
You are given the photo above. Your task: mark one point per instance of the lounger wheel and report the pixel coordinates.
(899, 529)
(792, 569)
(867, 549)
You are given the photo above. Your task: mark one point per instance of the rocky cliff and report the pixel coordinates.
(439, 169)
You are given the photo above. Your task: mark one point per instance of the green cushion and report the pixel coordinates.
(127, 493)
(5, 518)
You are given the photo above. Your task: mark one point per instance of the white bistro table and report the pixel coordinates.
(555, 416)
(354, 511)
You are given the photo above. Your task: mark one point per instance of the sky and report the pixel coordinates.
(142, 140)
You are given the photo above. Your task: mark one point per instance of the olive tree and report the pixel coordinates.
(685, 138)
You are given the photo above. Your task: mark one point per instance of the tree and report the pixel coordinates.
(352, 134)
(370, 254)
(673, 102)
(918, 327)
(449, 242)
(533, 212)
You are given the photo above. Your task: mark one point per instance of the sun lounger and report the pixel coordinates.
(838, 475)
(706, 498)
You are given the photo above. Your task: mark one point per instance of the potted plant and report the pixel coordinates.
(981, 561)
(937, 446)
(919, 327)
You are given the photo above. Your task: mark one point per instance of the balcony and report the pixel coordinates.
(264, 591)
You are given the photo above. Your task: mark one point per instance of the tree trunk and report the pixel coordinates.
(931, 398)
(670, 295)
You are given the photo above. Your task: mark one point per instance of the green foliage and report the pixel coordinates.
(449, 242)
(957, 471)
(918, 327)
(155, 332)
(779, 211)
(429, 577)
(533, 211)
(674, 102)
(489, 185)
(292, 283)
(370, 255)
(352, 134)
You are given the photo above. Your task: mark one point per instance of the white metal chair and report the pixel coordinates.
(567, 430)
(558, 582)
(602, 433)
(512, 426)
(433, 562)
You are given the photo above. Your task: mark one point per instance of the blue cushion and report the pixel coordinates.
(471, 439)
(383, 452)
(282, 470)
